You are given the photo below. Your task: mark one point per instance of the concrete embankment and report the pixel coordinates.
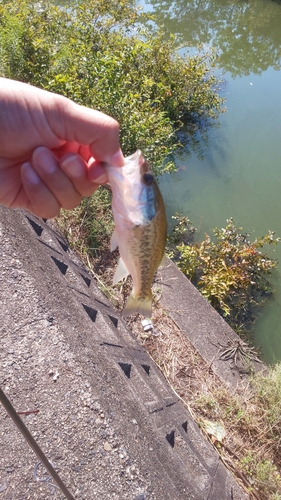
(107, 419)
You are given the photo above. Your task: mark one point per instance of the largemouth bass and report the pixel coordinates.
(140, 229)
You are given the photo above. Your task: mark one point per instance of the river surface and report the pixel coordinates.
(240, 173)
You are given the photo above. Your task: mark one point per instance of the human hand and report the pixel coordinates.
(51, 149)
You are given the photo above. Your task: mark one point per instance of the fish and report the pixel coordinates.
(140, 229)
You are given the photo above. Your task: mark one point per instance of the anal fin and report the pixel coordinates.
(121, 272)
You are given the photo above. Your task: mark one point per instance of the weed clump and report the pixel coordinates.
(268, 401)
(231, 272)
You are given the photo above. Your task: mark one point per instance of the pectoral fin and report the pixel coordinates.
(121, 272)
(114, 241)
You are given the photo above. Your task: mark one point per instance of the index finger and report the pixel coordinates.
(88, 127)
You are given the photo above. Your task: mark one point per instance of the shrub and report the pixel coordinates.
(97, 53)
(231, 272)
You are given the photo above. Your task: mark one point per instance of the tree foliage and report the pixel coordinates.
(98, 54)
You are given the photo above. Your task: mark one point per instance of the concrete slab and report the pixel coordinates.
(204, 327)
(107, 419)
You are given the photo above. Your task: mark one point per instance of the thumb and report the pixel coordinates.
(88, 127)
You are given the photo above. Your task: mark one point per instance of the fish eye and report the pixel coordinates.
(148, 179)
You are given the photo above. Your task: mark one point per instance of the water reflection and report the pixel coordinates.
(246, 34)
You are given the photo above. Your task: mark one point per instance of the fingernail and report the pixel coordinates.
(117, 160)
(45, 160)
(101, 179)
(72, 166)
(29, 174)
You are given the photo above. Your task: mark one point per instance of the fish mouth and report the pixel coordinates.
(135, 156)
(136, 160)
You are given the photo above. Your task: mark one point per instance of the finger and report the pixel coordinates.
(96, 172)
(88, 127)
(77, 170)
(41, 201)
(58, 183)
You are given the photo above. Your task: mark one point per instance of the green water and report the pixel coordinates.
(240, 174)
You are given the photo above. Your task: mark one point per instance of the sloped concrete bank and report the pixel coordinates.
(205, 328)
(107, 419)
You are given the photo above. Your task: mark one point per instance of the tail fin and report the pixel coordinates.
(136, 305)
